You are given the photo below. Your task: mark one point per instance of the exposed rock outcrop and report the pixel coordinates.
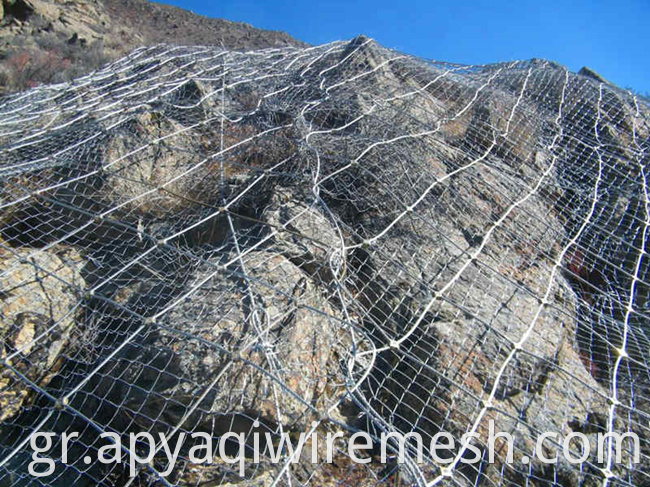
(345, 235)
(38, 311)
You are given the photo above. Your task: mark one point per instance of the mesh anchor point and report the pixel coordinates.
(394, 344)
(61, 403)
(614, 401)
(622, 352)
(446, 472)
(320, 417)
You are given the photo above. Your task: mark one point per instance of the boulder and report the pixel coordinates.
(39, 296)
(275, 320)
(139, 164)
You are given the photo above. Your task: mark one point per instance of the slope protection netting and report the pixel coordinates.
(321, 241)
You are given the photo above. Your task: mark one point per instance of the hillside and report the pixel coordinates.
(328, 240)
(45, 41)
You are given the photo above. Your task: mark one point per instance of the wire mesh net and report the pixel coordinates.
(325, 241)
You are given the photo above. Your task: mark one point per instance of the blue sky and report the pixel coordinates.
(611, 37)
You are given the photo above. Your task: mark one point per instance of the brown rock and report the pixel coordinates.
(273, 325)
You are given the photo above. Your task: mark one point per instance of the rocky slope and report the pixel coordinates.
(196, 239)
(44, 41)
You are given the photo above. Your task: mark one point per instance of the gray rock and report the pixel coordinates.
(350, 234)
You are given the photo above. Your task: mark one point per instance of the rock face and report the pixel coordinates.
(335, 239)
(296, 335)
(39, 296)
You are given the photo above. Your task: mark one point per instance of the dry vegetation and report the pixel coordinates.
(42, 41)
